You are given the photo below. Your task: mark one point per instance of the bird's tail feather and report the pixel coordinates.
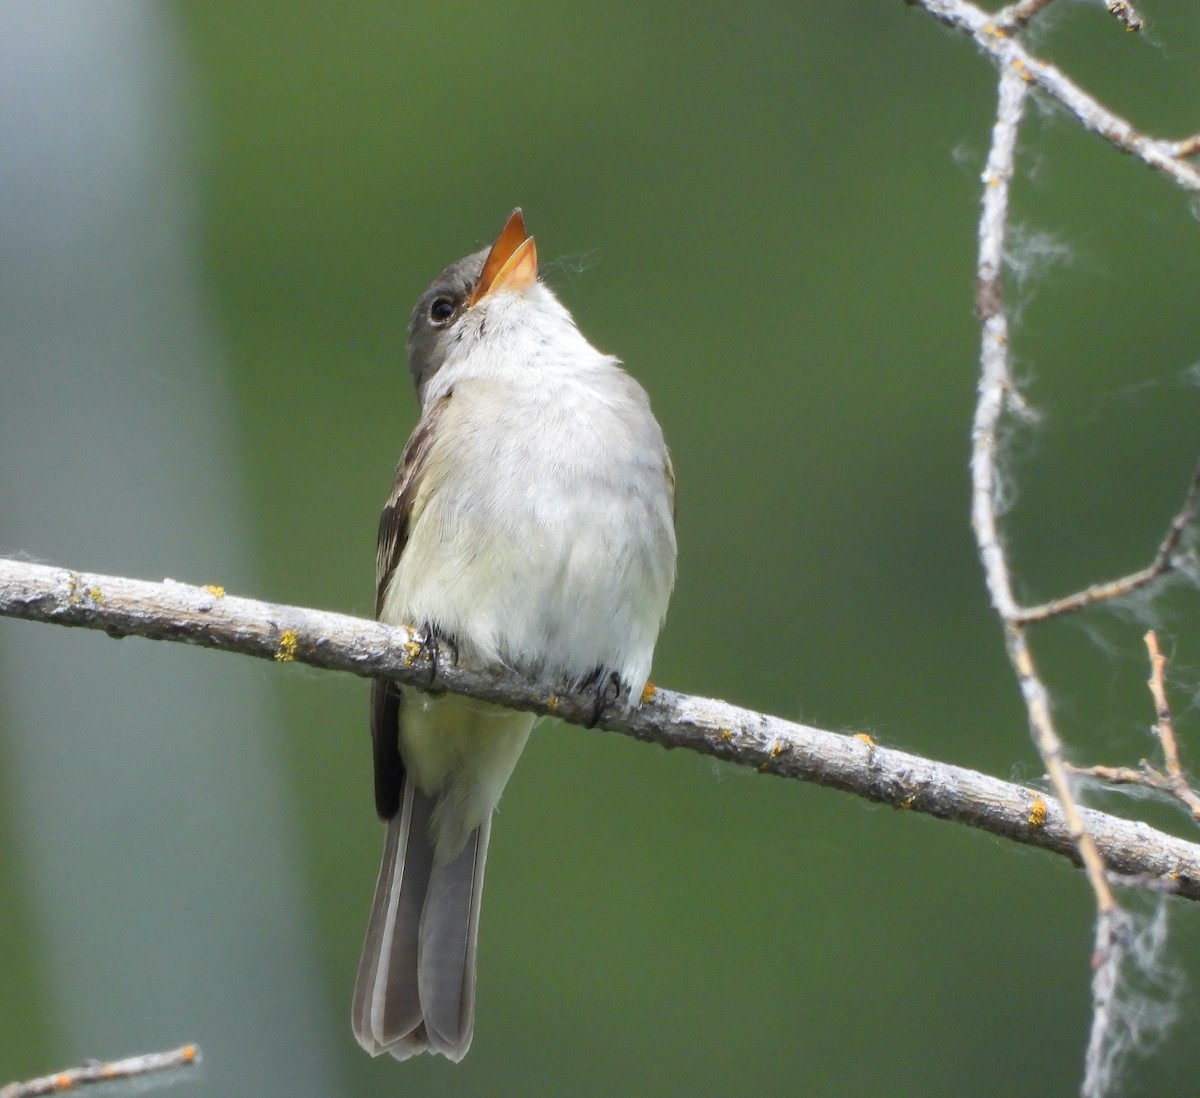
(446, 946)
(416, 981)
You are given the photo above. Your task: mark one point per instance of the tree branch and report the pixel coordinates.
(206, 616)
(1016, 16)
(997, 393)
(97, 1071)
(1171, 780)
(1166, 560)
(994, 34)
(995, 39)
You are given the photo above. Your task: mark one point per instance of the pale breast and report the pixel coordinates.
(546, 538)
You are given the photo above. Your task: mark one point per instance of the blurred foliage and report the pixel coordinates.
(768, 211)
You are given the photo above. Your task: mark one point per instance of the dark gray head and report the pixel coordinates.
(431, 327)
(510, 262)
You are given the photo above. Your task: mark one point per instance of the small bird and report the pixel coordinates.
(531, 525)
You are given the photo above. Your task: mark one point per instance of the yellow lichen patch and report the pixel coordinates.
(189, 1053)
(552, 702)
(774, 753)
(648, 692)
(865, 737)
(412, 649)
(1037, 811)
(1023, 70)
(96, 596)
(726, 734)
(215, 590)
(908, 801)
(287, 646)
(71, 596)
(64, 1082)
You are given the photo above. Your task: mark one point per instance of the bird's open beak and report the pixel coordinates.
(512, 262)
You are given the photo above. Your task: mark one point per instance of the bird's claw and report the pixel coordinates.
(432, 644)
(608, 691)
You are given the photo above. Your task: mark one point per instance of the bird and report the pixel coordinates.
(531, 526)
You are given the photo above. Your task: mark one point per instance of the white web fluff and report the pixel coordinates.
(1145, 991)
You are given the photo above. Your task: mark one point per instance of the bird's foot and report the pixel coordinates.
(607, 685)
(436, 646)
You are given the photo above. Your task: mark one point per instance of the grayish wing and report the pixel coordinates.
(394, 525)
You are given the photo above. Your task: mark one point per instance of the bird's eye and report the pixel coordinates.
(441, 310)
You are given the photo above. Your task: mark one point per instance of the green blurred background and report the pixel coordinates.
(768, 212)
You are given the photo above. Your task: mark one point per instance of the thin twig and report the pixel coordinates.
(995, 37)
(207, 616)
(1171, 780)
(1127, 15)
(1113, 927)
(1018, 15)
(1165, 560)
(1002, 48)
(1189, 146)
(995, 387)
(995, 383)
(1146, 775)
(1164, 725)
(95, 1071)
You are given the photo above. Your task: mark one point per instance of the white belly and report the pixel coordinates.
(463, 751)
(525, 555)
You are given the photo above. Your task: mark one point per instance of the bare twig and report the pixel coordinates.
(995, 36)
(1127, 14)
(207, 616)
(1165, 726)
(1171, 779)
(997, 42)
(1189, 146)
(95, 1071)
(1018, 15)
(994, 386)
(1165, 560)
(1146, 775)
(995, 389)
(1109, 948)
